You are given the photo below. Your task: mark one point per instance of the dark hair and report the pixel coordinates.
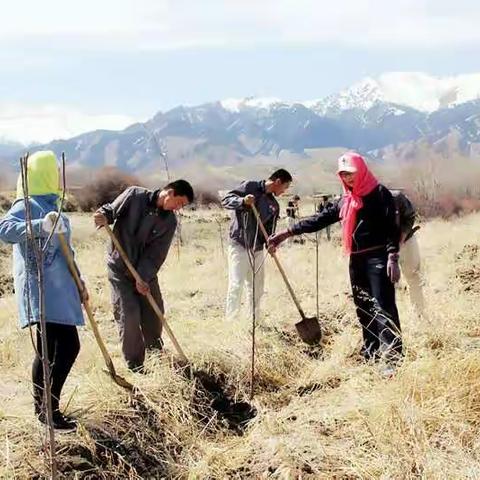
(181, 188)
(296, 197)
(282, 175)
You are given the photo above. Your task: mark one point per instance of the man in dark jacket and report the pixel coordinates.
(410, 260)
(246, 247)
(145, 225)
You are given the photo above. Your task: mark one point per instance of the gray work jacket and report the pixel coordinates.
(145, 232)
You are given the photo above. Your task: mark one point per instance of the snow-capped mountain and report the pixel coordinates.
(413, 89)
(372, 115)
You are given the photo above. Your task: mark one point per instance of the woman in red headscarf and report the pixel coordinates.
(371, 239)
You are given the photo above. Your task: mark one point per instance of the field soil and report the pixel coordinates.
(317, 413)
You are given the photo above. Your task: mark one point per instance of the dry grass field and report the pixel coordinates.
(321, 414)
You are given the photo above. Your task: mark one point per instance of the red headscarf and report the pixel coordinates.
(364, 183)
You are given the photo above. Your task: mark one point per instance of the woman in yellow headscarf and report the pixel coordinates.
(63, 311)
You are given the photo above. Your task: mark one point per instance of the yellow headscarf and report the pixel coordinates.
(43, 176)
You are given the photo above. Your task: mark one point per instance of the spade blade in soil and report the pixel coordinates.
(309, 330)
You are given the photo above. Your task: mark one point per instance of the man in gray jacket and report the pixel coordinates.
(246, 247)
(145, 225)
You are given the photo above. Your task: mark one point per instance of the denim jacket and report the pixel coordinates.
(62, 299)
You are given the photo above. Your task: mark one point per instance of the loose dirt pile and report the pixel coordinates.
(6, 279)
(468, 268)
(213, 400)
(5, 204)
(135, 440)
(129, 444)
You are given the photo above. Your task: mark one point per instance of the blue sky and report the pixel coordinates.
(110, 62)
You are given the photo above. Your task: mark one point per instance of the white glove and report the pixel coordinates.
(49, 221)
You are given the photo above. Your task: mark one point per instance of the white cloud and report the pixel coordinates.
(239, 104)
(89, 17)
(43, 123)
(171, 24)
(428, 93)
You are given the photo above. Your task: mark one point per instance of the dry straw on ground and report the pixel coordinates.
(324, 415)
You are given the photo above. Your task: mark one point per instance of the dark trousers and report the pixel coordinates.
(63, 346)
(374, 297)
(138, 324)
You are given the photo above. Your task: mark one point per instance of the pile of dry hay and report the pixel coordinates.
(320, 413)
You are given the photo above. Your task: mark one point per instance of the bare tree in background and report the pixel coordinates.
(163, 152)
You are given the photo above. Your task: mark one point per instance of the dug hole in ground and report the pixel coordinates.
(319, 414)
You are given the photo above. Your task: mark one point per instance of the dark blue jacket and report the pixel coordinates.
(243, 227)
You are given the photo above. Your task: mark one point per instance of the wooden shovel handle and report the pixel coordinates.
(149, 296)
(279, 265)
(93, 324)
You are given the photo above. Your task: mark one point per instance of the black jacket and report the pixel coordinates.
(375, 226)
(405, 213)
(243, 227)
(144, 231)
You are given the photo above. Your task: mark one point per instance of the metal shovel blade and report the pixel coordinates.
(309, 330)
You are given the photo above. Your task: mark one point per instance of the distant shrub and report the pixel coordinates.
(71, 203)
(445, 205)
(206, 198)
(440, 186)
(5, 203)
(108, 184)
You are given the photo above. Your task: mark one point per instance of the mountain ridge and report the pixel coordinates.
(362, 117)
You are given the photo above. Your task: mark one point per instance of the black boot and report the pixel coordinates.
(156, 344)
(60, 421)
(369, 353)
(136, 368)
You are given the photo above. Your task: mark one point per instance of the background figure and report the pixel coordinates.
(410, 258)
(296, 204)
(296, 209)
(291, 214)
(323, 205)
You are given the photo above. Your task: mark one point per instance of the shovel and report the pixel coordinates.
(150, 299)
(308, 328)
(119, 380)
